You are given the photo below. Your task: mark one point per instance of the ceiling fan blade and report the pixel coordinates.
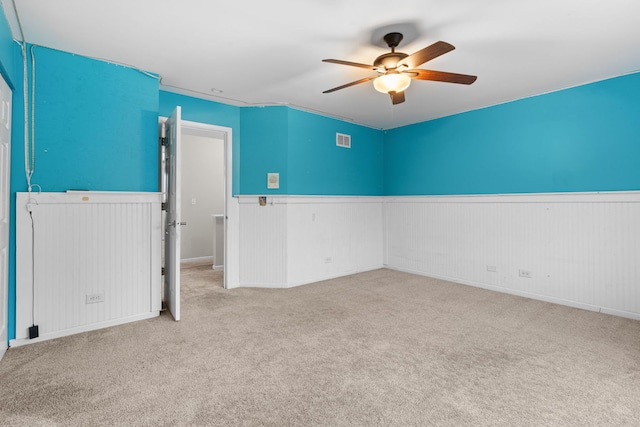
(426, 54)
(442, 76)
(352, 64)
(396, 97)
(366, 79)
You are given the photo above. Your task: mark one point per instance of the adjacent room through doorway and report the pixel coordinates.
(202, 199)
(195, 159)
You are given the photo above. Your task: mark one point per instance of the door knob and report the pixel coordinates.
(175, 223)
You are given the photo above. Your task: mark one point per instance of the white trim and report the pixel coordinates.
(98, 197)
(248, 199)
(201, 258)
(5, 211)
(582, 197)
(85, 328)
(539, 297)
(335, 276)
(265, 285)
(572, 197)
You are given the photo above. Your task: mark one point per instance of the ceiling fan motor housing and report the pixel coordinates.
(389, 60)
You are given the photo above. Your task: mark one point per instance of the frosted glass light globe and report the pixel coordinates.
(392, 82)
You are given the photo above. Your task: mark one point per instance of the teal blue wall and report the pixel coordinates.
(318, 167)
(585, 138)
(213, 113)
(301, 147)
(264, 149)
(96, 125)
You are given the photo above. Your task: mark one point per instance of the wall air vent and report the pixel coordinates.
(343, 140)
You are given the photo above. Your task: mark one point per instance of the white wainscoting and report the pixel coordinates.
(295, 240)
(581, 249)
(263, 238)
(101, 244)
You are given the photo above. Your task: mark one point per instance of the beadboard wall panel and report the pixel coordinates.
(578, 249)
(86, 245)
(263, 238)
(305, 239)
(331, 237)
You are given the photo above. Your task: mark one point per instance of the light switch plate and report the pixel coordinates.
(273, 180)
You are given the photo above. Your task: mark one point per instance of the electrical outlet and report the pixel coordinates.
(492, 268)
(94, 298)
(525, 273)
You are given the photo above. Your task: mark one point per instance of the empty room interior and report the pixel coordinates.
(319, 213)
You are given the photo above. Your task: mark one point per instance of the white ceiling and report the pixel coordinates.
(269, 52)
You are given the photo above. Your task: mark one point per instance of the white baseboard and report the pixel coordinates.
(335, 276)
(197, 259)
(80, 329)
(545, 298)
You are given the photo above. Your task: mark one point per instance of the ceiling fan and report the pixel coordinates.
(396, 69)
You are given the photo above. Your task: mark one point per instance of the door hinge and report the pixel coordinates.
(163, 271)
(163, 142)
(163, 206)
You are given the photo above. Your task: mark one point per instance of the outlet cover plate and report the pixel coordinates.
(94, 298)
(525, 273)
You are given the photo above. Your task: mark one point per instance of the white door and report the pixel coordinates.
(173, 216)
(5, 162)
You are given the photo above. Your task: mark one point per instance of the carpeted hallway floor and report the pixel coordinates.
(378, 348)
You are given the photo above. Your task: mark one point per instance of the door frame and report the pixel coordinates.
(231, 206)
(5, 215)
(171, 185)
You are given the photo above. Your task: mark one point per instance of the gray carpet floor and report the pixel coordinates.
(379, 348)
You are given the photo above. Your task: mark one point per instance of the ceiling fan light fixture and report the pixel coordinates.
(397, 69)
(392, 82)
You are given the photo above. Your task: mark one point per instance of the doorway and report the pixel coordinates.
(231, 206)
